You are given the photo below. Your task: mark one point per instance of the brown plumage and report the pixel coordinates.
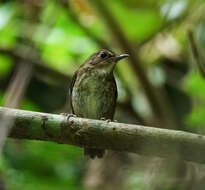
(93, 91)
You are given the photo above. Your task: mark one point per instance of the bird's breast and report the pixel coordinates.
(93, 96)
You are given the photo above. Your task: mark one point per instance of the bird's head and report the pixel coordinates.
(104, 60)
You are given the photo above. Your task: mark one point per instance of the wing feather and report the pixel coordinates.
(71, 89)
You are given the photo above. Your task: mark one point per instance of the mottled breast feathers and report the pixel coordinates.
(93, 95)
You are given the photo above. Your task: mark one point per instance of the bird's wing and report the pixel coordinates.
(71, 89)
(113, 90)
(115, 87)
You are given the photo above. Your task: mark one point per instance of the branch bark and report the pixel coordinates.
(81, 132)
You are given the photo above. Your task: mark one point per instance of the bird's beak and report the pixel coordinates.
(119, 57)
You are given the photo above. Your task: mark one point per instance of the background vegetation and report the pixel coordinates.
(42, 43)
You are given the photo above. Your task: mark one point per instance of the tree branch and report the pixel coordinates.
(81, 132)
(195, 49)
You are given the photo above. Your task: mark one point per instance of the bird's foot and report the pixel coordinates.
(68, 115)
(104, 119)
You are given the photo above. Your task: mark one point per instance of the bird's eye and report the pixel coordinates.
(103, 54)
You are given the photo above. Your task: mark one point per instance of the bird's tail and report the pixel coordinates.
(92, 152)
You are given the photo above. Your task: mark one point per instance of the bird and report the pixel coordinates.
(93, 90)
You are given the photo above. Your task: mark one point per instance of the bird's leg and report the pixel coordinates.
(68, 115)
(104, 119)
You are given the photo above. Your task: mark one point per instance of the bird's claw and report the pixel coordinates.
(104, 119)
(68, 115)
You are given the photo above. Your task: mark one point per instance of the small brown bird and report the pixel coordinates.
(93, 90)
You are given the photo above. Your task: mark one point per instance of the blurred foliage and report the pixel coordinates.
(6, 67)
(63, 44)
(42, 165)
